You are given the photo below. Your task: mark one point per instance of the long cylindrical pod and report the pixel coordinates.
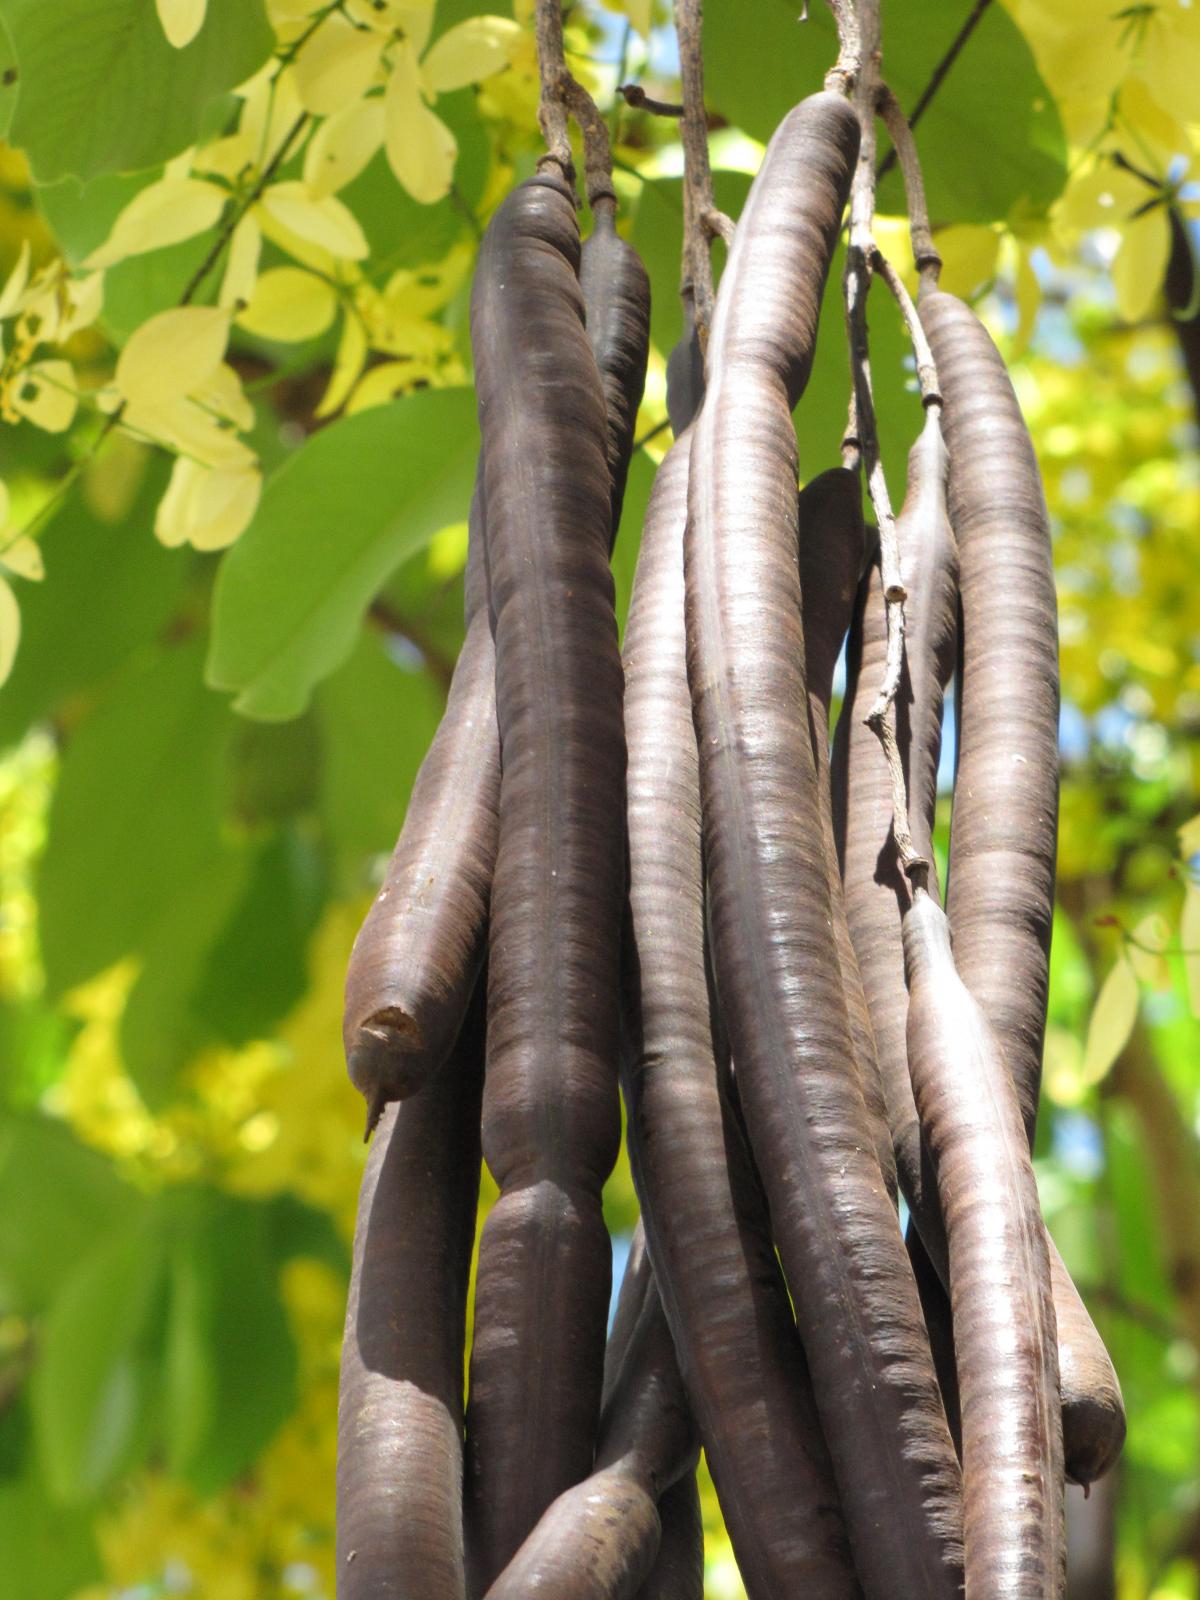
(834, 550)
(776, 966)
(1000, 894)
(616, 292)
(400, 1401)
(418, 951)
(709, 1234)
(599, 1539)
(551, 1122)
(1004, 1332)
(876, 892)
(678, 1570)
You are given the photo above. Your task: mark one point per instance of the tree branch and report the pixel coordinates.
(702, 222)
(563, 96)
(925, 253)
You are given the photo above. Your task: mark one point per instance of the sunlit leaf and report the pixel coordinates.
(1189, 939)
(23, 558)
(469, 52)
(172, 354)
(1141, 262)
(421, 150)
(969, 254)
(289, 304)
(325, 222)
(1145, 946)
(241, 267)
(348, 364)
(10, 629)
(14, 286)
(181, 19)
(1189, 838)
(336, 65)
(342, 146)
(163, 214)
(1112, 1020)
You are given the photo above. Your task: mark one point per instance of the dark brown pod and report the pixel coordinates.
(551, 1122)
(678, 1570)
(400, 1398)
(1000, 893)
(685, 373)
(775, 961)
(834, 551)
(1004, 1332)
(418, 951)
(710, 1237)
(616, 292)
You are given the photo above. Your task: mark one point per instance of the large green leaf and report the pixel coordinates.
(377, 719)
(89, 1386)
(991, 140)
(101, 90)
(336, 518)
(49, 1551)
(135, 815)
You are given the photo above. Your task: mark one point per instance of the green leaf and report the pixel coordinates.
(366, 778)
(58, 1200)
(991, 140)
(352, 503)
(90, 1382)
(9, 81)
(1112, 1020)
(49, 1552)
(70, 644)
(136, 813)
(101, 90)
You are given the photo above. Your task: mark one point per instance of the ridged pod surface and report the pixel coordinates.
(1000, 890)
(599, 1540)
(678, 1570)
(400, 1399)
(774, 957)
(1004, 1331)
(1004, 829)
(551, 1121)
(1093, 1411)
(709, 1233)
(419, 949)
(834, 550)
(616, 292)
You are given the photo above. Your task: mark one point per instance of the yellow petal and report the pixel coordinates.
(224, 395)
(419, 291)
(1189, 838)
(1149, 939)
(172, 354)
(5, 501)
(1189, 939)
(188, 429)
(232, 158)
(384, 383)
(207, 508)
(342, 146)
(1141, 263)
(969, 254)
(412, 20)
(1103, 196)
(10, 629)
(289, 304)
(421, 150)
(1112, 1020)
(241, 269)
(348, 364)
(181, 20)
(167, 212)
(327, 222)
(45, 394)
(271, 108)
(469, 52)
(24, 558)
(85, 301)
(1149, 123)
(336, 65)
(14, 288)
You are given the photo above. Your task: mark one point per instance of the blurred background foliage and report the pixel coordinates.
(237, 239)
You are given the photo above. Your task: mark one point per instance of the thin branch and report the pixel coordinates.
(702, 221)
(861, 255)
(938, 77)
(563, 95)
(635, 96)
(843, 76)
(927, 376)
(925, 252)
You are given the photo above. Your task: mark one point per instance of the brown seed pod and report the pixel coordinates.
(776, 966)
(1004, 1331)
(616, 292)
(400, 1399)
(418, 951)
(551, 1121)
(710, 1237)
(599, 1539)
(834, 550)
(678, 1570)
